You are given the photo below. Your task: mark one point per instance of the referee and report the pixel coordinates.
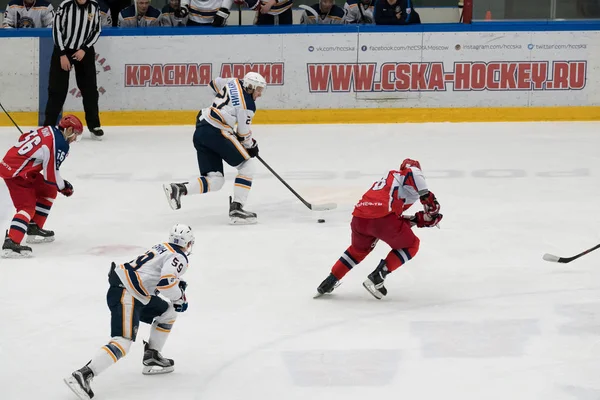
(75, 30)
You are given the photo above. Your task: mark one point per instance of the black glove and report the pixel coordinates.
(253, 151)
(221, 17)
(182, 285)
(67, 190)
(182, 12)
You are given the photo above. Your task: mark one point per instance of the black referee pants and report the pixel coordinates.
(58, 87)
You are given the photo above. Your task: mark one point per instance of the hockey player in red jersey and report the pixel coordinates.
(378, 216)
(30, 170)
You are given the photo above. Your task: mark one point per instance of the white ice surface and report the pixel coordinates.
(477, 314)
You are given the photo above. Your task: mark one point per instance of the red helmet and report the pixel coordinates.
(71, 121)
(409, 162)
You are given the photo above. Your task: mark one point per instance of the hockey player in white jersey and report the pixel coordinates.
(205, 12)
(216, 139)
(133, 297)
(28, 14)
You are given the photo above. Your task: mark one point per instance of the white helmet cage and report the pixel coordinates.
(253, 80)
(181, 235)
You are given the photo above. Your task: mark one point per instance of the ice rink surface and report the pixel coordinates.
(477, 314)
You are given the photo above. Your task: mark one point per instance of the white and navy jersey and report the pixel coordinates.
(128, 18)
(168, 18)
(359, 12)
(19, 14)
(76, 27)
(202, 11)
(105, 17)
(334, 16)
(156, 271)
(232, 106)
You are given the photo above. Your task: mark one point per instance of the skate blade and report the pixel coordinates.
(39, 239)
(96, 137)
(242, 221)
(172, 202)
(371, 289)
(14, 254)
(156, 370)
(316, 296)
(75, 388)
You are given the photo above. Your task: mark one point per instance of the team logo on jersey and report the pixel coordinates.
(102, 67)
(25, 22)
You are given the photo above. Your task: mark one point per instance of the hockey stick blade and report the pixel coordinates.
(551, 257)
(323, 207)
(565, 260)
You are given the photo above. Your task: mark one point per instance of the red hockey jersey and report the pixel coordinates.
(42, 150)
(393, 194)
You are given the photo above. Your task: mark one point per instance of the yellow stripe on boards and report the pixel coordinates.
(341, 116)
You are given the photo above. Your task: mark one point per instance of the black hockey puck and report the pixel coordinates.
(320, 220)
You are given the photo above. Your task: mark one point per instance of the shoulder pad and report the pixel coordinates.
(337, 11)
(153, 12)
(128, 12)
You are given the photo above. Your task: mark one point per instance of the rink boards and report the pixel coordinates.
(435, 72)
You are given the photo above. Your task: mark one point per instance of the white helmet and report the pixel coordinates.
(181, 235)
(252, 80)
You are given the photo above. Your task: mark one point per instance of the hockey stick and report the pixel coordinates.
(313, 207)
(565, 260)
(310, 10)
(12, 120)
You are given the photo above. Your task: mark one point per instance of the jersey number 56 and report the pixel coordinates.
(28, 143)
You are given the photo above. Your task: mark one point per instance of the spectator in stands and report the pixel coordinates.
(28, 14)
(272, 12)
(145, 15)
(324, 12)
(168, 15)
(359, 12)
(395, 12)
(105, 17)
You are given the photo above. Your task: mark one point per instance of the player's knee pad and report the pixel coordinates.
(246, 168)
(118, 346)
(166, 320)
(216, 180)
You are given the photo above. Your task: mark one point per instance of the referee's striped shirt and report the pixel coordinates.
(76, 26)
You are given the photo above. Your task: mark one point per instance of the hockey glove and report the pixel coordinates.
(253, 151)
(424, 220)
(430, 203)
(67, 190)
(221, 17)
(181, 305)
(182, 12)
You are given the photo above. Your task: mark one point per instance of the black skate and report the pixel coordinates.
(10, 249)
(155, 363)
(174, 191)
(79, 382)
(239, 216)
(327, 286)
(374, 282)
(97, 133)
(35, 234)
